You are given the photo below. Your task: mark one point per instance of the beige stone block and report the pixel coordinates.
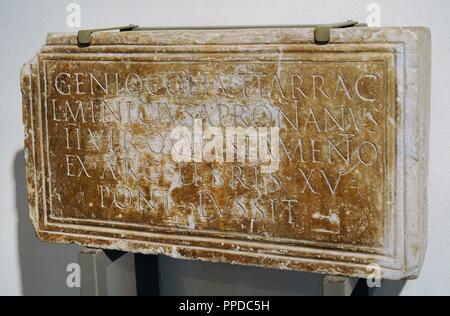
(343, 128)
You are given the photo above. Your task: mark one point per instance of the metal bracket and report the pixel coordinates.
(85, 36)
(322, 32)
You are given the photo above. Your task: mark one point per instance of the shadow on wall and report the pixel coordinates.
(42, 265)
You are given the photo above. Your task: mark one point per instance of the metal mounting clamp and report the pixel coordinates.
(322, 33)
(85, 36)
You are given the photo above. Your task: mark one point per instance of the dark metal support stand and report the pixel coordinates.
(147, 279)
(111, 273)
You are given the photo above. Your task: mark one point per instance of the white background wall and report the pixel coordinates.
(28, 266)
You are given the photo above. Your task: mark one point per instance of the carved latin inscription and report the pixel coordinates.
(109, 140)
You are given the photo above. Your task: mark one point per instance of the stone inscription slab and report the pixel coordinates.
(244, 146)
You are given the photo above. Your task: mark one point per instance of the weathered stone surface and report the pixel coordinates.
(348, 189)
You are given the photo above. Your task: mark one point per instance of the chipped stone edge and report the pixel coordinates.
(27, 78)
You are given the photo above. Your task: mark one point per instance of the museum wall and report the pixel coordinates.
(31, 267)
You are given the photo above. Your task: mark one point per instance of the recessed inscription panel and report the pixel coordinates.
(292, 156)
(110, 141)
